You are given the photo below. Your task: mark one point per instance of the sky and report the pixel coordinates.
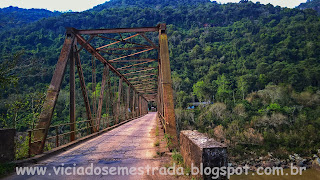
(81, 5)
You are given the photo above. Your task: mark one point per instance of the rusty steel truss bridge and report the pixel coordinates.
(142, 81)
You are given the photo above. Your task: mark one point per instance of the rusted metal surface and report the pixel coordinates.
(137, 64)
(119, 100)
(108, 96)
(117, 41)
(142, 87)
(119, 30)
(72, 95)
(139, 77)
(52, 96)
(88, 41)
(92, 50)
(134, 104)
(144, 70)
(137, 69)
(151, 42)
(94, 100)
(103, 84)
(134, 60)
(130, 55)
(129, 48)
(84, 90)
(127, 102)
(166, 83)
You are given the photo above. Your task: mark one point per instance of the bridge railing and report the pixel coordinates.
(60, 134)
(162, 120)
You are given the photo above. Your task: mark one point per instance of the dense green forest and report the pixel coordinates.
(258, 64)
(14, 17)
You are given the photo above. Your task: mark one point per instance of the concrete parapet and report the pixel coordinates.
(7, 146)
(202, 152)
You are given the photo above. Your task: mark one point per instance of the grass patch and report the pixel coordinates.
(177, 157)
(157, 143)
(168, 139)
(157, 130)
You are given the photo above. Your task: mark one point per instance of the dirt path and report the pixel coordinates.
(130, 145)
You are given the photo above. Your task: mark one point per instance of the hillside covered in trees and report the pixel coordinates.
(258, 64)
(311, 4)
(14, 17)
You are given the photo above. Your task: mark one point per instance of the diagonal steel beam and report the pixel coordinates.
(134, 72)
(136, 68)
(88, 41)
(137, 64)
(128, 48)
(147, 79)
(151, 42)
(123, 41)
(131, 54)
(135, 60)
(141, 77)
(117, 41)
(92, 50)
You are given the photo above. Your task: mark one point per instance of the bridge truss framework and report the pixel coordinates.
(143, 83)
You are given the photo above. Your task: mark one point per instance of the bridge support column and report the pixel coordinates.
(167, 91)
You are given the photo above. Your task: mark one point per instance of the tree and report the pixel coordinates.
(223, 91)
(242, 86)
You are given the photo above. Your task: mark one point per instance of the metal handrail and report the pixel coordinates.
(58, 135)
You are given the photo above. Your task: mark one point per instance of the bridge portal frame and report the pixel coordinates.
(163, 93)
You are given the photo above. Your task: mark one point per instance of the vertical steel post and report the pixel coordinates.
(119, 100)
(140, 109)
(100, 103)
(134, 104)
(72, 94)
(114, 102)
(57, 136)
(84, 90)
(167, 87)
(128, 102)
(108, 96)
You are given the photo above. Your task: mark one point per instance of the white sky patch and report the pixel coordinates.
(81, 5)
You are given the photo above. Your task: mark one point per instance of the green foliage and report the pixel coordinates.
(177, 157)
(22, 147)
(6, 169)
(168, 138)
(274, 107)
